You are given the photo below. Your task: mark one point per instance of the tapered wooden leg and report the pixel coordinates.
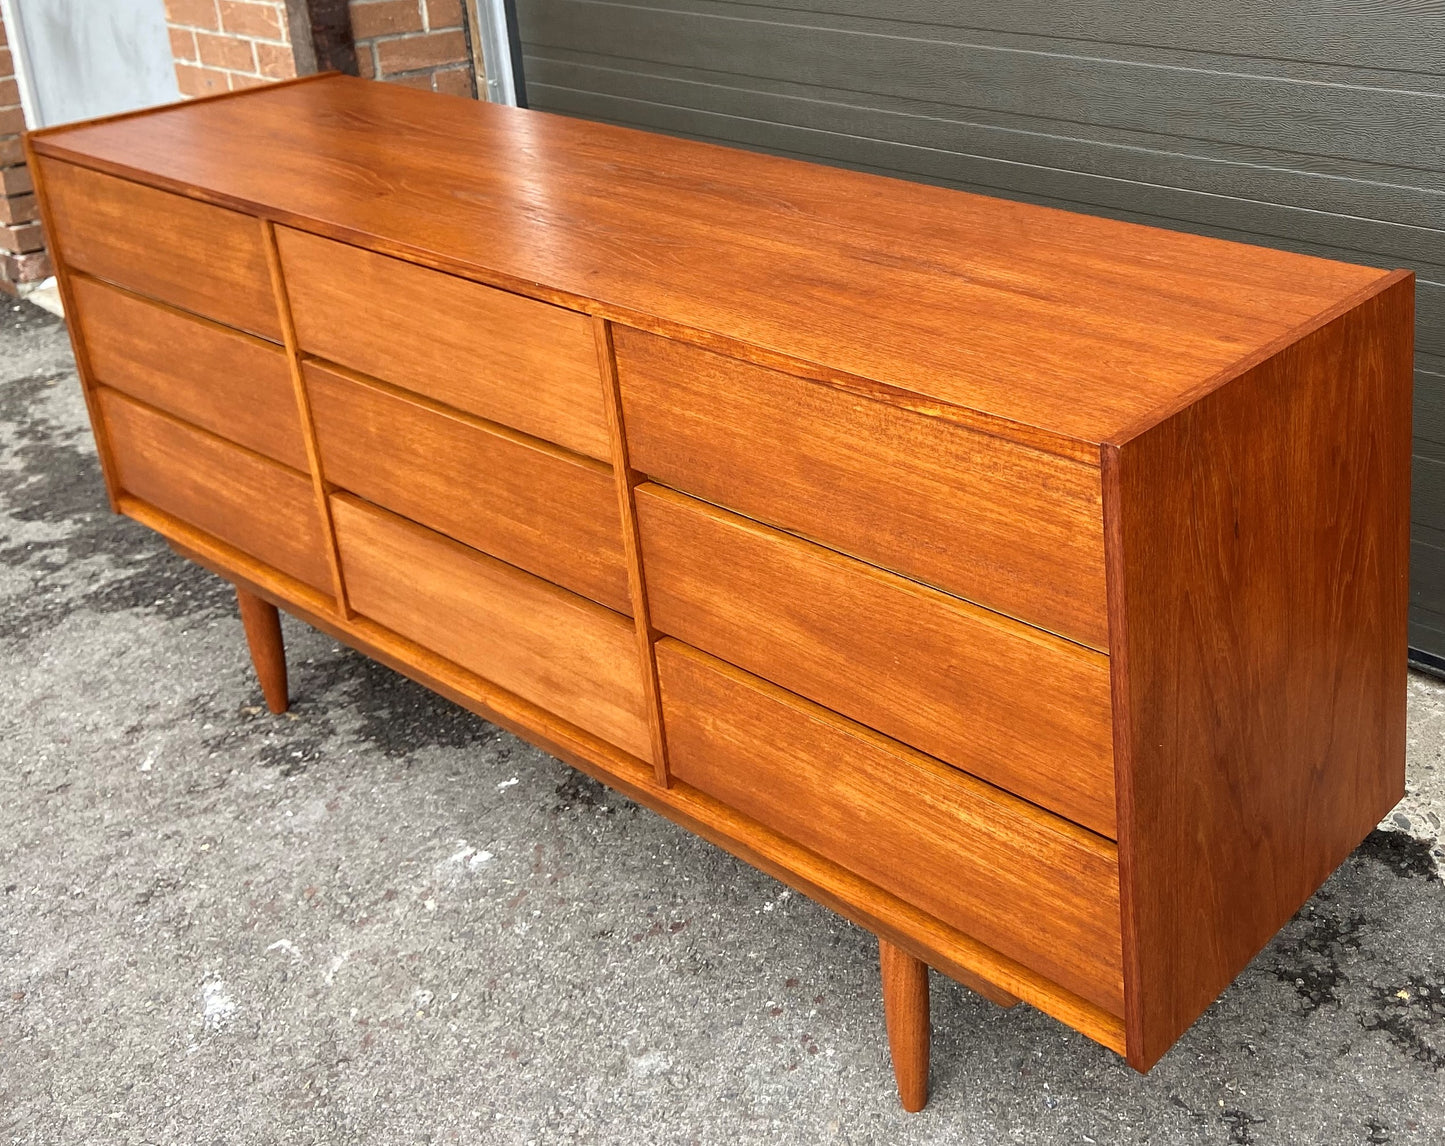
(905, 1010)
(263, 634)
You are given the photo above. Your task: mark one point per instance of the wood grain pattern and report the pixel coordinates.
(192, 255)
(268, 651)
(229, 383)
(626, 479)
(497, 355)
(905, 1010)
(557, 650)
(1035, 887)
(1016, 530)
(949, 678)
(261, 507)
(1074, 325)
(543, 510)
(945, 948)
(1258, 544)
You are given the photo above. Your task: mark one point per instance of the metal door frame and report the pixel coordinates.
(497, 51)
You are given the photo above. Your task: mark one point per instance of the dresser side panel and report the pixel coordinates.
(1257, 545)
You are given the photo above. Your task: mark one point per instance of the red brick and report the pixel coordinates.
(12, 151)
(443, 14)
(411, 53)
(240, 82)
(12, 121)
(275, 61)
(7, 65)
(29, 268)
(247, 18)
(9, 93)
(183, 45)
(18, 208)
(21, 238)
(454, 81)
(16, 180)
(385, 18)
(193, 14)
(4, 39)
(194, 81)
(365, 61)
(420, 80)
(226, 52)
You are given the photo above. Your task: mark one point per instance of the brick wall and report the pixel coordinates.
(23, 260)
(223, 45)
(421, 43)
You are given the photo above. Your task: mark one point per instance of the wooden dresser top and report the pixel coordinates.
(1074, 328)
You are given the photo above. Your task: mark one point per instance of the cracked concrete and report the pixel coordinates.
(379, 920)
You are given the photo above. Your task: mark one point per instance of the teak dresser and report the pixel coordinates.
(1029, 588)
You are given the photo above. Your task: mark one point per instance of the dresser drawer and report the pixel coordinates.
(550, 512)
(558, 650)
(202, 258)
(1024, 710)
(509, 359)
(262, 508)
(1034, 887)
(229, 383)
(1014, 529)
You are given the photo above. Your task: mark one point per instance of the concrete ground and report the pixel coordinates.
(380, 920)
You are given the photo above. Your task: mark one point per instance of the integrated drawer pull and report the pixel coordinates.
(550, 513)
(1014, 529)
(192, 255)
(1032, 886)
(509, 359)
(547, 645)
(934, 671)
(262, 508)
(229, 383)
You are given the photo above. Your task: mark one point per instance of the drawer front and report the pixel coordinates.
(1035, 888)
(201, 258)
(509, 359)
(1014, 529)
(549, 512)
(551, 647)
(262, 508)
(1024, 710)
(231, 384)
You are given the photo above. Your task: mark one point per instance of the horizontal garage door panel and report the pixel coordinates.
(1375, 124)
(1347, 34)
(1430, 406)
(953, 143)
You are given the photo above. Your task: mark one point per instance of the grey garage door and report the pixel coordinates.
(1313, 125)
